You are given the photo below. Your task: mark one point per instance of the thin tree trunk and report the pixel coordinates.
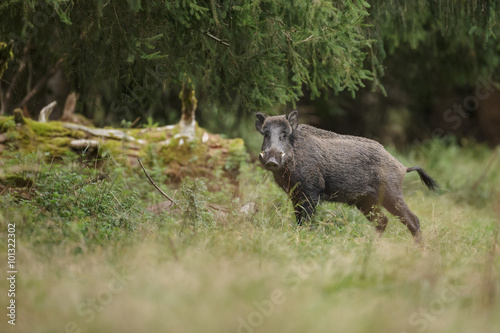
(189, 103)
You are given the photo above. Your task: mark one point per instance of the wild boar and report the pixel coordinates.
(314, 165)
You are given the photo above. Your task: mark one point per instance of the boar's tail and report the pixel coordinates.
(424, 176)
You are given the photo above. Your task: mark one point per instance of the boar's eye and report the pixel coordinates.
(282, 136)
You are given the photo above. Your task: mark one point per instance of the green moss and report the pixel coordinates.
(152, 135)
(7, 124)
(61, 141)
(214, 158)
(26, 136)
(13, 135)
(18, 117)
(236, 145)
(51, 137)
(237, 154)
(184, 153)
(113, 148)
(57, 146)
(198, 131)
(51, 128)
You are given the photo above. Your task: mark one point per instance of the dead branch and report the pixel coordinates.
(154, 184)
(83, 144)
(69, 106)
(310, 38)
(44, 115)
(158, 129)
(216, 39)
(108, 133)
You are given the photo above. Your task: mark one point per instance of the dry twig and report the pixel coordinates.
(216, 39)
(154, 184)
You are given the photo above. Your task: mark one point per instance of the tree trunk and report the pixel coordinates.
(189, 102)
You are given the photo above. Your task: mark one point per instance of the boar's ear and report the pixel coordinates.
(293, 119)
(259, 122)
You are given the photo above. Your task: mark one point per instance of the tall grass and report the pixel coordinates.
(91, 259)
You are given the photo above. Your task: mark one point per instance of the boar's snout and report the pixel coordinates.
(272, 164)
(272, 161)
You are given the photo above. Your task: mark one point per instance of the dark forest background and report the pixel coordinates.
(396, 71)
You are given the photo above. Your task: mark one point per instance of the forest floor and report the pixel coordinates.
(90, 258)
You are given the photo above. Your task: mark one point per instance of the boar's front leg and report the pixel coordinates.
(305, 208)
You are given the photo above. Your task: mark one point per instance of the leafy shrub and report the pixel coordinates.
(194, 193)
(100, 210)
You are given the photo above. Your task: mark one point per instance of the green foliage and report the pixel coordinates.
(7, 124)
(425, 56)
(99, 209)
(195, 213)
(131, 58)
(422, 38)
(151, 123)
(257, 53)
(237, 156)
(422, 23)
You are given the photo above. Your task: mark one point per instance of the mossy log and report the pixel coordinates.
(205, 155)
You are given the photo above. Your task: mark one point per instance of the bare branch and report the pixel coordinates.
(310, 38)
(84, 144)
(154, 184)
(287, 36)
(216, 39)
(108, 133)
(44, 115)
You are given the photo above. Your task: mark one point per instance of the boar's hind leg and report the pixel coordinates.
(397, 206)
(373, 213)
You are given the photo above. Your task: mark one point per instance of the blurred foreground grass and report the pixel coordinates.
(91, 259)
